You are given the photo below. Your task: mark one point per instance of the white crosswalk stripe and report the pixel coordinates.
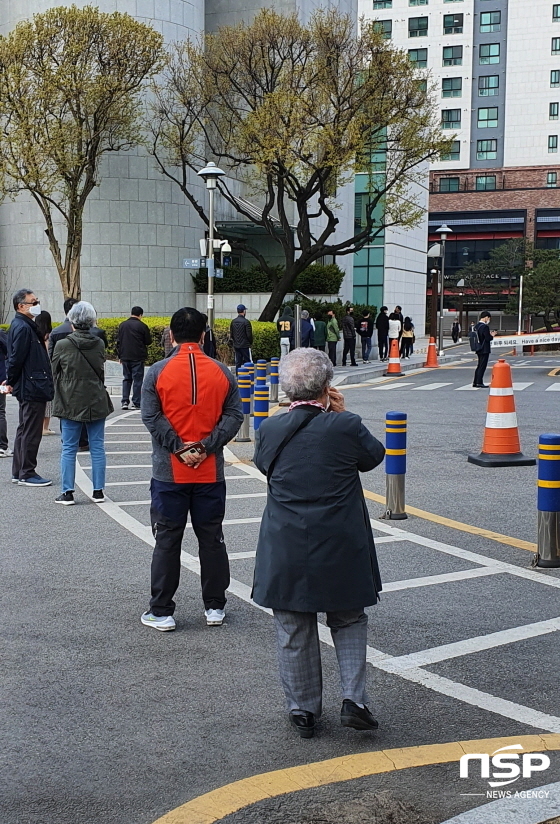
(398, 385)
(427, 387)
(466, 388)
(554, 387)
(519, 387)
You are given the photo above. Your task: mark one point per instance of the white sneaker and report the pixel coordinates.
(6, 453)
(165, 623)
(215, 617)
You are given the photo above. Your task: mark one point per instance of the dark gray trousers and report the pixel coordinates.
(299, 656)
(28, 439)
(3, 423)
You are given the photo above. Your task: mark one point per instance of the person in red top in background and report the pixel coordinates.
(189, 398)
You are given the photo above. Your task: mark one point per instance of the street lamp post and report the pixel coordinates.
(443, 231)
(210, 175)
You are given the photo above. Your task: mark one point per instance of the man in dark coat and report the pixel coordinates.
(241, 336)
(307, 332)
(29, 379)
(5, 452)
(349, 335)
(65, 328)
(382, 326)
(484, 339)
(306, 562)
(133, 339)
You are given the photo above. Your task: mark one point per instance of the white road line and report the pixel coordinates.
(432, 580)
(543, 807)
(136, 440)
(228, 497)
(377, 658)
(124, 416)
(427, 657)
(126, 452)
(124, 466)
(239, 556)
(519, 387)
(390, 386)
(466, 388)
(388, 539)
(554, 387)
(247, 495)
(126, 483)
(429, 386)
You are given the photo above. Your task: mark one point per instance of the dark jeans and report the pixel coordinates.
(171, 504)
(349, 348)
(366, 348)
(133, 375)
(406, 347)
(28, 438)
(3, 423)
(481, 368)
(320, 348)
(332, 351)
(383, 343)
(242, 356)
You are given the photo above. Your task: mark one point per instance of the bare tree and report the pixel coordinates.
(294, 112)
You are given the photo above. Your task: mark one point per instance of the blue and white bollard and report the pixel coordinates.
(250, 368)
(274, 379)
(244, 383)
(261, 406)
(548, 502)
(395, 465)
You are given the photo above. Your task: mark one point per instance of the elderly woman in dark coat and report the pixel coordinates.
(316, 551)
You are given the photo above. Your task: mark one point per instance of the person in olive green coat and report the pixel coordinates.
(320, 336)
(333, 335)
(80, 397)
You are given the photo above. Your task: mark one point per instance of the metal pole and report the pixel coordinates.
(210, 259)
(520, 311)
(297, 322)
(441, 295)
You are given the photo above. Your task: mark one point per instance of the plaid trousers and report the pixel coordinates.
(299, 656)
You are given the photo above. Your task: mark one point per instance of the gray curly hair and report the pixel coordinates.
(82, 315)
(305, 374)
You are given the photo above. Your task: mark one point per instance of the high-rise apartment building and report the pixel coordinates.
(495, 68)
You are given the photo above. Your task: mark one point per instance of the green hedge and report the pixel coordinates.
(317, 279)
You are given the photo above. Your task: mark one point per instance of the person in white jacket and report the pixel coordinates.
(394, 327)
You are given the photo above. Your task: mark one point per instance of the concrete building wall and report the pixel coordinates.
(137, 226)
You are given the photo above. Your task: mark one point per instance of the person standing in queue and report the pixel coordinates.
(320, 335)
(192, 409)
(485, 337)
(285, 325)
(29, 379)
(305, 563)
(349, 335)
(382, 326)
(133, 339)
(333, 335)
(5, 451)
(241, 337)
(365, 331)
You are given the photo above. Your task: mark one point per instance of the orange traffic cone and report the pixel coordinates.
(394, 360)
(432, 361)
(501, 445)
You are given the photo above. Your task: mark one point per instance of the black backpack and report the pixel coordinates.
(474, 339)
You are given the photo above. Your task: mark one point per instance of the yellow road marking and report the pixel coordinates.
(474, 530)
(215, 805)
(554, 372)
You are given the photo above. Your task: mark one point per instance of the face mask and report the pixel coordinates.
(35, 310)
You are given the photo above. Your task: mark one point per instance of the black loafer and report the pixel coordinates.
(351, 715)
(304, 722)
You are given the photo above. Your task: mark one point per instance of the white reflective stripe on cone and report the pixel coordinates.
(508, 390)
(501, 420)
(394, 360)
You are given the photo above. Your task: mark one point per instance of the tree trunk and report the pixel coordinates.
(279, 292)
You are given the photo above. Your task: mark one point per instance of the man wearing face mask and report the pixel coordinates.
(29, 379)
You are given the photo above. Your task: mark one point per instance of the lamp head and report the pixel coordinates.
(443, 231)
(210, 174)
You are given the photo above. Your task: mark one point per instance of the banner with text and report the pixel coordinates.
(543, 339)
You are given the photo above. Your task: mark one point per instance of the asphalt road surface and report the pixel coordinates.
(106, 721)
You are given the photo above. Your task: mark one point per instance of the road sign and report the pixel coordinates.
(219, 273)
(191, 263)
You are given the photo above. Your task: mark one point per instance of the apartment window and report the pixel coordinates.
(449, 184)
(417, 26)
(454, 152)
(382, 4)
(555, 48)
(486, 149)
(553, 111)
(552, 180)
(489, 85)
(419, 57)
(451, 119)
(485, 183)
(490, 21)
(489, 53)
(452, 23)
(384, 27)
(417, 2)
(556, 12)
(452, 55)
(554, 79)
(452, 87)
(552, 143)
(488, 118)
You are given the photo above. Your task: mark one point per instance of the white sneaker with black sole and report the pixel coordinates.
(66, 499)
(6, 453)
(165, 623)
(215, 617)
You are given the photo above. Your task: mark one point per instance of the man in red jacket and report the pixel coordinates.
(189, 398)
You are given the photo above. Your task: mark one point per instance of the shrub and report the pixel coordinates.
(321, 307)
(317, 279)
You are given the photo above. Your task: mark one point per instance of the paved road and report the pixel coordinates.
(106, 721)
